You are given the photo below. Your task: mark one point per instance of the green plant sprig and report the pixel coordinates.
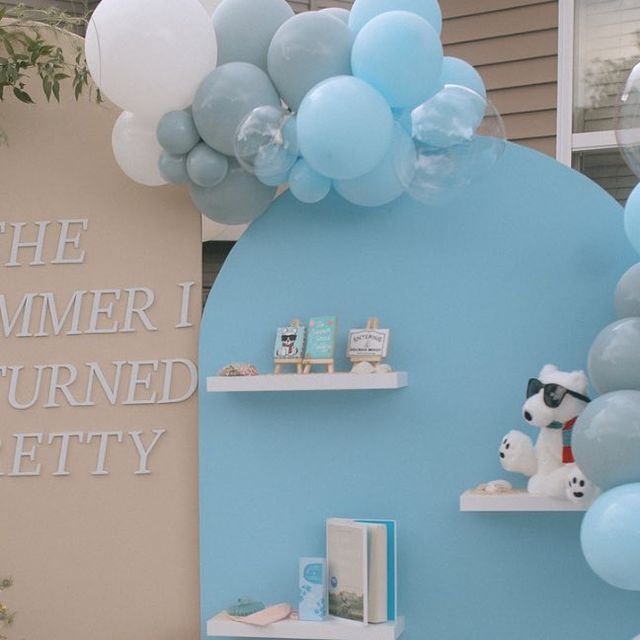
(25, 51)
(6, 617)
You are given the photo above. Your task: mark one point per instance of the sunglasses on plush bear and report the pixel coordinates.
(553, 393)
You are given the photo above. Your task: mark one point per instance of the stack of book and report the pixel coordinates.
(361, 558)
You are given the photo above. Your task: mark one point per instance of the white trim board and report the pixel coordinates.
(517, 500)
(308, 382)
(329, 629)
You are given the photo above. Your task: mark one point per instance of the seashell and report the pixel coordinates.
(245, 607)
(238, 369)
(383, 367)
(362, 367)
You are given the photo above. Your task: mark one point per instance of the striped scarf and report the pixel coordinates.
(567, 453)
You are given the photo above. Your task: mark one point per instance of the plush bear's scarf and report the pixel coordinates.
(567, 453)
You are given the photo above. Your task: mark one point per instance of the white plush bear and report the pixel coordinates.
(554, 400)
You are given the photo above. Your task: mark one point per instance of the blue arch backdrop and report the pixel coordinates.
(479, 294)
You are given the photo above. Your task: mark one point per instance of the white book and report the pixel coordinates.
(357, 556)
(377, 573)
(347, 562)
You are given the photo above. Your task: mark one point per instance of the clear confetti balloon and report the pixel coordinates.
(455, 146)
(628, 121)
(453, 116)
(265, 143)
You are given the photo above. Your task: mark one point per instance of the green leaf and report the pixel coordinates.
(56, 90)
(46, 87)
(23, 96)
(8, 46)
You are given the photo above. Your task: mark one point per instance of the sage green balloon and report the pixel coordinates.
(205, 166)
(238, 199)
(627, 296)
(173, 168)
(614, 357)
(177, 133)
(226, 97)
(244, 29)
(306, 50)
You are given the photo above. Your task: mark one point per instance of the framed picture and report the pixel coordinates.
(321, 338)
(289, 343)
(367, 344)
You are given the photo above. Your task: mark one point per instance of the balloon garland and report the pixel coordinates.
(254, 97)
(606, 436)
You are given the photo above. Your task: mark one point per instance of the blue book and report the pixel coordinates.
(391, 563)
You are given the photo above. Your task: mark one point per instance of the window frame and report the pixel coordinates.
(567, 142)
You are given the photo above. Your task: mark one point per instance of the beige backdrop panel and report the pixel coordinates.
(98, 556)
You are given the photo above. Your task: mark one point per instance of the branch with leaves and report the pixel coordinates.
(25, 54)
(6, 617)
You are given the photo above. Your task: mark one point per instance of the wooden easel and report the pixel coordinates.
(308, 363)
(278, 362)
(373, 324)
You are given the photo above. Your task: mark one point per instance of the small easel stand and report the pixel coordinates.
(308, 363)
(278, 362)
(373, 324)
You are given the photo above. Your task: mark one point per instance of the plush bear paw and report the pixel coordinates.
(517, 453)
(579, 488)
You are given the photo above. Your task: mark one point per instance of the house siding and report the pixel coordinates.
(514, 46)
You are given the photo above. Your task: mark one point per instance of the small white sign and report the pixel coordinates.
(368, 343)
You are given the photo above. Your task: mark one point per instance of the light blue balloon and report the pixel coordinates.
(632, 218)
(457, 71)
(403, 118)
(606, 439)
(244, 29)
(627, 295)
(344, 127)
(206, 167)
(173, 168)
(614, 357)
(388, 180)
(224, 99)
(610, 537)
(290, 133)
(308, 185)
(400, 54)
(364, 10)
(449, 118)
(337, 12)
(238, 199)
(307, 49)
(177, 133)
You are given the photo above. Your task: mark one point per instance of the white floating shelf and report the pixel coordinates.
(308, 382)
(516, 500)
(329, 629)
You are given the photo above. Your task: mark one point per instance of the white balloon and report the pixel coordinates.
(149, 56)
(136, 148)
(210, 5)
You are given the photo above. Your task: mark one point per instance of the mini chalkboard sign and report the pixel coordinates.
(289, 347)
(368, 345)
(321, 342)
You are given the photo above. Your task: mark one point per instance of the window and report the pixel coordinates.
(599, 44)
